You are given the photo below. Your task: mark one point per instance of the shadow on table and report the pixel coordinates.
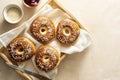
(5, 26)
(6, 73)
(28, 12)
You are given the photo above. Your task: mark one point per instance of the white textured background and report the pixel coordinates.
(101, 61)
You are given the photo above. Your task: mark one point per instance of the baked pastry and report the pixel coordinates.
(47, 58)
(42, 29)
(67, 31)
(21, 49)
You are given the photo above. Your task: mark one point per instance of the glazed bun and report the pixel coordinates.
(67, 31)
(42, 29)
(21, 49)
(47, 58)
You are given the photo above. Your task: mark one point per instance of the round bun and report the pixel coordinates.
(67, 31)
(42, 29)
(21, 49)
(47, 58)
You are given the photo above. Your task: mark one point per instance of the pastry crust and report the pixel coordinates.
(42, 29)
(47, 58)
(21, 49)
(67, 31)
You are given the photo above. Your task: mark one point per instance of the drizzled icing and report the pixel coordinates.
(27, 51)
(53, 58)
(35, 30)
(74, 31)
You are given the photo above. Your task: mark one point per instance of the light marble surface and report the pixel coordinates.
(98, 62)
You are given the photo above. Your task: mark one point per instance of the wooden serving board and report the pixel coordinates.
(54, 4)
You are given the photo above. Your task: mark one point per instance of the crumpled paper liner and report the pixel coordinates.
(55, 15)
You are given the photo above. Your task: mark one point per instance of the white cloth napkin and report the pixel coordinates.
(55, 15)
